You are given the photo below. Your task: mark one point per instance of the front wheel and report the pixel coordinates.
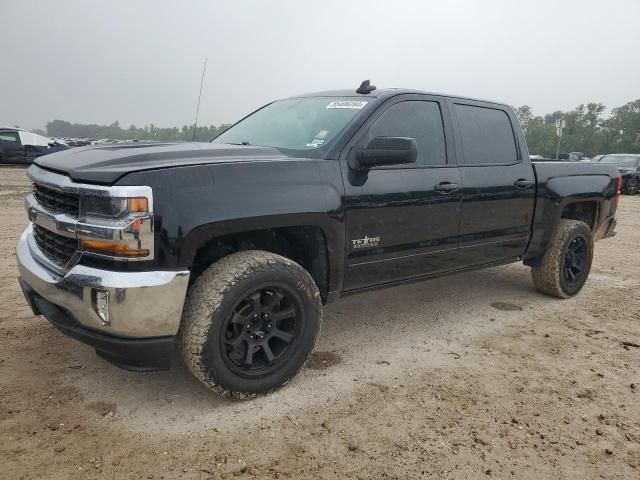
(250, 321)
(566, 264)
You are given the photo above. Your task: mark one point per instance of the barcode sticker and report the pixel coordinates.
(351, 104)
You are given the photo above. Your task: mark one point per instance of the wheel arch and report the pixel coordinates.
(586, 211)
(306, 243)
(579, 197)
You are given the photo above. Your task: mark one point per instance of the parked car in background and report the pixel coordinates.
(596, 158)
(572, 157)
(20, 146)
(77, 142)
(563, 157)
(629, 168)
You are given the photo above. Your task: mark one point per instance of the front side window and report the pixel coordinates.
(420, 120)
(9, 137)
(295, 124)
(487, 135)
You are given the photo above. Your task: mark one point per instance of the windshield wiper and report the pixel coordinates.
(241, 143)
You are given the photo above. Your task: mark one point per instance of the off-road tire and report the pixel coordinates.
(548, 278)
(212, 297)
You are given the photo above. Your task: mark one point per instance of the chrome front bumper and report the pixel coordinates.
(140, 304)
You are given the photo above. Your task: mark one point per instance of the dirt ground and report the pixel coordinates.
(471, 376)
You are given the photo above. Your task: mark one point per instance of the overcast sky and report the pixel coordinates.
(140, 62)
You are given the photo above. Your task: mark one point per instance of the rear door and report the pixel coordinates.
(400, 220)
(499, 183)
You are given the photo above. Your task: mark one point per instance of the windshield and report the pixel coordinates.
(296, 124)
(621, 161)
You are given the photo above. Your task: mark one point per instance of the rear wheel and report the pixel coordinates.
(566, 265)
(250, 321)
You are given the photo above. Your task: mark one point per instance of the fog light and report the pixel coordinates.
(100, 302)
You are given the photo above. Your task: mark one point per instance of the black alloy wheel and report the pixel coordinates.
(575, 261)
(261, 331)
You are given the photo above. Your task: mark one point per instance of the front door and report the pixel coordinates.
(11, 150)
(402, 221)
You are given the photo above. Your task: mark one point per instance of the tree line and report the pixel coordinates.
(63, 129)
(586, 130)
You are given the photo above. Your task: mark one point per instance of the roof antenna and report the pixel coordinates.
(366, 87)
(195, 125)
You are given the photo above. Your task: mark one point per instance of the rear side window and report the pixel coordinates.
(487, 135)
(420, 120)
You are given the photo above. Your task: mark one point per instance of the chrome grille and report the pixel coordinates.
(56, 201)
(57, 249)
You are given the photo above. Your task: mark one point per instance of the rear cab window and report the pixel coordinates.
(487, 135)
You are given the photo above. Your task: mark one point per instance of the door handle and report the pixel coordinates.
(446, 187)
(523, 183)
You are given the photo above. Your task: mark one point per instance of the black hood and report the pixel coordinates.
(107, 163)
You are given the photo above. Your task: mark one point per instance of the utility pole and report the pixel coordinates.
(560, 124)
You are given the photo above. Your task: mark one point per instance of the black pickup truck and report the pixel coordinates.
(230, 248)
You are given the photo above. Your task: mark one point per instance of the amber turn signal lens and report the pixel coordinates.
(138, 204)
(110, 248)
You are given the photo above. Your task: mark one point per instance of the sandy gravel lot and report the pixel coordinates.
(471, 376)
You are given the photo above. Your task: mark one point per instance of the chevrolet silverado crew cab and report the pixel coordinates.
(229, 249)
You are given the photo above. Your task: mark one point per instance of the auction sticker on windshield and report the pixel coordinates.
(351, 104)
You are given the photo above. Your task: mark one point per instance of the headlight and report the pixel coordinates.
(112, 207)
(116, 227)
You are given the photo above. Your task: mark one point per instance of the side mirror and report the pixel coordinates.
(386, 151)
